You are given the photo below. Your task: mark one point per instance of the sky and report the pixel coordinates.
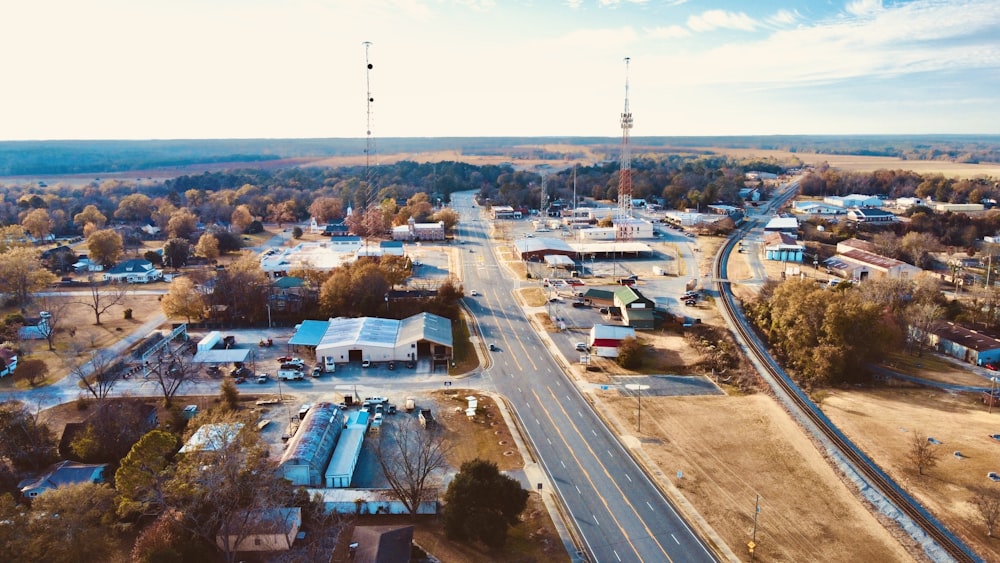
(202, 69)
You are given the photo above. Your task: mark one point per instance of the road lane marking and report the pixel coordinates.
(675, 539)
(603, 501)
(650, 506)
(611, 479)
(596, 521)
(610, 454)
(578, 491)
(629, 478)
(615, 551)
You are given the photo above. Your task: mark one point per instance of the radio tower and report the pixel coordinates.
(370, 140)
(624, 223)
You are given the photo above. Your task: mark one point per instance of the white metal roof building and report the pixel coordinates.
(305, 459)
(376, 339)
(345, 457)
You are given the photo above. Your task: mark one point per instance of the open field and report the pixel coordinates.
(856, 163)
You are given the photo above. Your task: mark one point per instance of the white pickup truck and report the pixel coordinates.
(290, 374)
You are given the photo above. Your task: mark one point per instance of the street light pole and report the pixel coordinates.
(993, 387)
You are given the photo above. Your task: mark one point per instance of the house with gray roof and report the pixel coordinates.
(61, 474)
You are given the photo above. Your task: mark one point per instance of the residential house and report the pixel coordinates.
(36, 329)
(261, 530)
(61, 474)
(381, 544)
(59, 259)
(8, 362)
(85, 265)
(136, 270)
(150, 229)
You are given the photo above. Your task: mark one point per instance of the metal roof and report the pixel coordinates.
(222, 356)
(426, 326)
(308, 444)
(309, 333)
(541, 244)
(362, 331)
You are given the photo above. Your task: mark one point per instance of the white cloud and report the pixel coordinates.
(784, 17)
(721, 19)
(669, 32)
(864, 7)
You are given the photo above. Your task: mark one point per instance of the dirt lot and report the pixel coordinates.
(732, 448)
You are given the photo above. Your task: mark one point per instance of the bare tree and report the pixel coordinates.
(921, 318)
(228, 487)
(410, 458)
(987, 503)
(922, 452)
(98, 375)
(56, 311)
(99, 298)
(171, 370)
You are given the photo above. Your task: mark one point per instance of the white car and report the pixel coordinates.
(474, 293)
(581, 347)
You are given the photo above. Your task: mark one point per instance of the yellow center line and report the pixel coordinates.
(649, 533)
(586, 474)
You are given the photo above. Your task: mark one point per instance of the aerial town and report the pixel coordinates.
(235, 330)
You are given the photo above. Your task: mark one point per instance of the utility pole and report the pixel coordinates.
(753, 543)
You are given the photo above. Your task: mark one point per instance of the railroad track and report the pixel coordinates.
(947, 541)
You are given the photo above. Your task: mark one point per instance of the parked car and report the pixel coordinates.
(317, 371)
(410, 364)
(493, 347)
(581, 347)
(691, 302)
(392, 365)
(262, 378)
(474, 293)
(579, 304)
(366, 363)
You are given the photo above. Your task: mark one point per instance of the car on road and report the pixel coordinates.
(579, 304)
(493, 347)
(474, 293)
(581, 347)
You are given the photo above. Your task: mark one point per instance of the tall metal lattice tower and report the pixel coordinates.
(369, 191)
(624, 226)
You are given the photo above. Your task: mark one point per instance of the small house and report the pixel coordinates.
(61, 474)
(261, 530)
(135, 270)
(381, 544)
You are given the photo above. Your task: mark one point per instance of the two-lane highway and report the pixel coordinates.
(618, 514)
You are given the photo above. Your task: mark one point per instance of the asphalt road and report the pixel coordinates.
(617, 512)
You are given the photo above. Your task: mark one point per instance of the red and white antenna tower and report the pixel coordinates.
(625, 224)
(369, 139)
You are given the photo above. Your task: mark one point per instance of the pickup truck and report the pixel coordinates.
(290, 374)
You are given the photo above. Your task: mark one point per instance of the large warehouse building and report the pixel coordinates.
(305, 459)
(422, 336)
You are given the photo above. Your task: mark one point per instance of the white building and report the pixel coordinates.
(853, 200)
(320, 256)
(420, 336)
(605, 339)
